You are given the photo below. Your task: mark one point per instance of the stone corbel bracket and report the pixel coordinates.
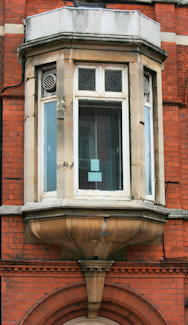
(94, 272)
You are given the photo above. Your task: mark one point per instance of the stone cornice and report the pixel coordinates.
(71, 40)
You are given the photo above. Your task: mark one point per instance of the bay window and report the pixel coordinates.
(93, 137)
(90, 129)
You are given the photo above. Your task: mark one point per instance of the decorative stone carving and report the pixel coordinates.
(94, 273)
(182, 56)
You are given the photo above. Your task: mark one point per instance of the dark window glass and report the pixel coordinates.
(148, 150)
(50, 146)
(113, 80)
(86, 79)
(100, 145)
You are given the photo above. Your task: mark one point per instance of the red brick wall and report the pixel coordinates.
(165, 15)
(22, 290)
(167, 290)
(13, 150)
(181, 21)
(175, 131)
(1, 61)
(13, 246)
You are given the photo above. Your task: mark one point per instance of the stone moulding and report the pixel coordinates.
(20, 210)
(66, 40)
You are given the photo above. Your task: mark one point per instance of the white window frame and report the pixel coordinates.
(41, 101)
(100, 94)
(149, 104)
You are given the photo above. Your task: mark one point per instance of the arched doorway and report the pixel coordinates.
(120, 306)
(86, 321)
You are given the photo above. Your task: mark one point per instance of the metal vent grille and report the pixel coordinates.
(146, 86)
(49, 82)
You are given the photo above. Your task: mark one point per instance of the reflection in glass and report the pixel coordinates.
(50, 146)
(113, 80)
(100, 138)
(86, 79)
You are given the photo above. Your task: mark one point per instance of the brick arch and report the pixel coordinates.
(119, 304)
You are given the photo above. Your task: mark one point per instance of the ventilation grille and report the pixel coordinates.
(146, 86)
(49, 82)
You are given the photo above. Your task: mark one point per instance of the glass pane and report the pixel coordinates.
(113, 80)
(100, 145)
(148, 150)
(50, 146)
(86, 79)
(146, 88)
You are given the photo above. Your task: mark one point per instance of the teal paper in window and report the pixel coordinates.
(94, 165)
(94, 177)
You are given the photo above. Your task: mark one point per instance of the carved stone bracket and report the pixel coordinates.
(94, 272)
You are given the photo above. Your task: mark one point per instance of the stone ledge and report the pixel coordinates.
(99, 204)
(93, 204)
(134, 204)
(10, 210)
(178, 214)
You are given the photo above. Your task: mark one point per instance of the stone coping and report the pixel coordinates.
(97, 21)
(102, 4)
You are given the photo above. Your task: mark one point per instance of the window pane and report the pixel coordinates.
(148, 150)
(86, 79)
(100, 145)
(50, 146)
(113, 80)
(146, 86)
